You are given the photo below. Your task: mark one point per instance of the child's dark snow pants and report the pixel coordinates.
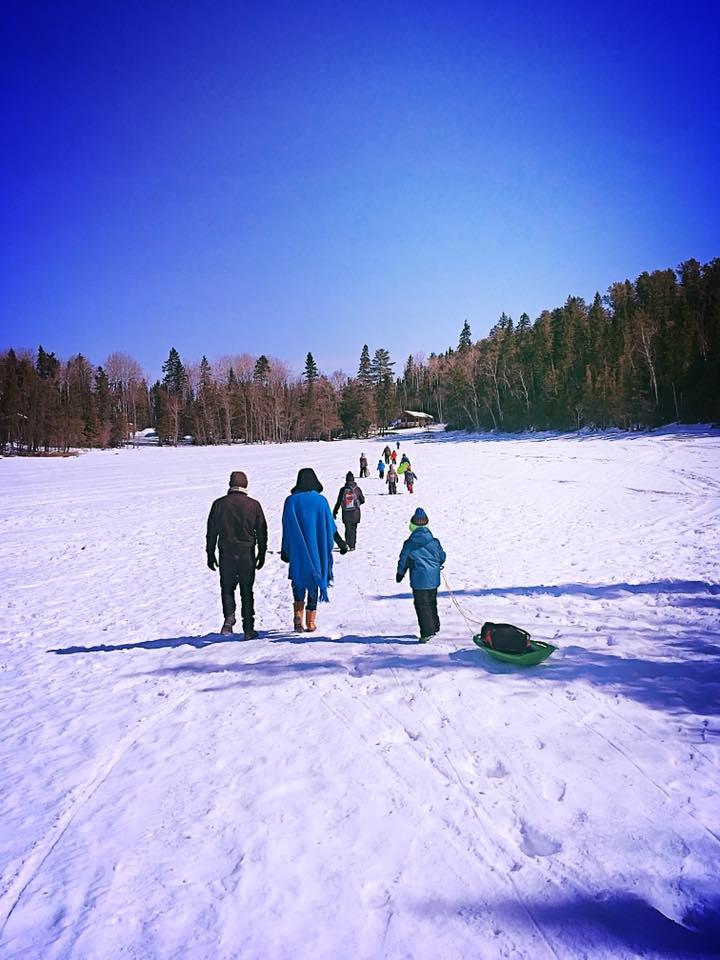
(426, 609)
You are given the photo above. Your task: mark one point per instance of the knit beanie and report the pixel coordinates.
(306, 481)
(238, 480)
(349, 476)
(419, 518)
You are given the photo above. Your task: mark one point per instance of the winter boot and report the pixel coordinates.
(228, 625)
(310, 616)
(298, 608)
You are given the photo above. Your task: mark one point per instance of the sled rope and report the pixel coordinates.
(468, 620)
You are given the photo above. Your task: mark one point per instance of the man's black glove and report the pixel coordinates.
(399, 577)
(260, 562)
(212, 562)
(284, 557)
(343, 547)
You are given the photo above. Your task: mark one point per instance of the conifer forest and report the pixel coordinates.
(644, 354)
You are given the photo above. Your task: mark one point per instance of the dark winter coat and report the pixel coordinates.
(237, 522)
(423, 556)
(352, 515)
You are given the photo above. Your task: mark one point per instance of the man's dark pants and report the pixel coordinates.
(238, 570)
(426, 609)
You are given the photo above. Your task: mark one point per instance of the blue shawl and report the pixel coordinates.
(307, 539)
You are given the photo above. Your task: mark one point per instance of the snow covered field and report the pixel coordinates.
(169, 793)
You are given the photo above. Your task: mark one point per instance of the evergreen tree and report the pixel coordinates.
(465, 341)
(365, 374)
(174, 378)
(311, 372)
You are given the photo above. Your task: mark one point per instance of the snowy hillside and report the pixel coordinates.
(169, 793)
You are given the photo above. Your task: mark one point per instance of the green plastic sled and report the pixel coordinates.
(403, 467)
(539, 651)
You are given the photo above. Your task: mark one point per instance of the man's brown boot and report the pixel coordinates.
(310, 620)
(298, 608)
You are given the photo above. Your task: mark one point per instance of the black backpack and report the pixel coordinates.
(505, 637)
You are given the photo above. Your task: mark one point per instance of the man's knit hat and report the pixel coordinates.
(239, 479)
(419, 518)
(349, 476)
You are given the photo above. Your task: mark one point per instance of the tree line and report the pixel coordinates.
(645, 353)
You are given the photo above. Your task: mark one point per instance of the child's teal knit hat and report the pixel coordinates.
(418, 519)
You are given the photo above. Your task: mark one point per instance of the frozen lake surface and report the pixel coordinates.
(166, 792)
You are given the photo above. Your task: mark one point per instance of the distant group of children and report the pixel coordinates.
(389, 460)
(237, 524)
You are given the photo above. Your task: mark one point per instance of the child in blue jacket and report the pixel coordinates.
(423, 555)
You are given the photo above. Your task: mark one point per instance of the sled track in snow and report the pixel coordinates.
(42, 849)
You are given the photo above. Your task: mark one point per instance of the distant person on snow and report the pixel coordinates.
(363, 466)
(308, 532)
(392, 479)
(404, 458)
(381, 468)
(410, 478)
(423, 555)
(349, 499)
(397, 444)
(393, 457)
(238, 523)
(386, 454)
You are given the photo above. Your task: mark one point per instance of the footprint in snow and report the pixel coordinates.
(498, 771)
(375, 896)
(534, 843)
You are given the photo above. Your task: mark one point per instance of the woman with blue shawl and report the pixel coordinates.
(308, 532)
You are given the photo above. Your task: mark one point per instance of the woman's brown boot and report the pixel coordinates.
(310, 620)
(298, 608)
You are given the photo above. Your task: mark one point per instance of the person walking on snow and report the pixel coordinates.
(238, 523)
(393, 457)
(410, 478)
(363, 466)
(392, 479)
(381, 468)
(308, 532)
(386, 454)
(349, 499)
(422, 554)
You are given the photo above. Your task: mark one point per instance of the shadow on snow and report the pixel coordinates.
(615, 921)
(609, 591)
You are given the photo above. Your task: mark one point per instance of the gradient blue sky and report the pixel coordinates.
(283, 177)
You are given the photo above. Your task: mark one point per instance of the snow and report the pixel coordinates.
(169, 793)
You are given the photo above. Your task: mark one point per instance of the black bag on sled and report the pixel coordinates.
(505, 637)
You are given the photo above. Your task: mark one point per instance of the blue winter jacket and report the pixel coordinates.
(423, 556)
(307, 541)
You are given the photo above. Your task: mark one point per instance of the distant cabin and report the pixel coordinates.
(415, 418)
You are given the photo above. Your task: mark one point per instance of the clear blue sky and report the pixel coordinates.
(282, 177)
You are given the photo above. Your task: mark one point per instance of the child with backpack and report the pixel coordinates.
(422, 554)
(410, 478)
(349, 499)
(392, 479)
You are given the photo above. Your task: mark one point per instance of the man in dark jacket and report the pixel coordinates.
(238, 523)
(423, 555)
(349, 500)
